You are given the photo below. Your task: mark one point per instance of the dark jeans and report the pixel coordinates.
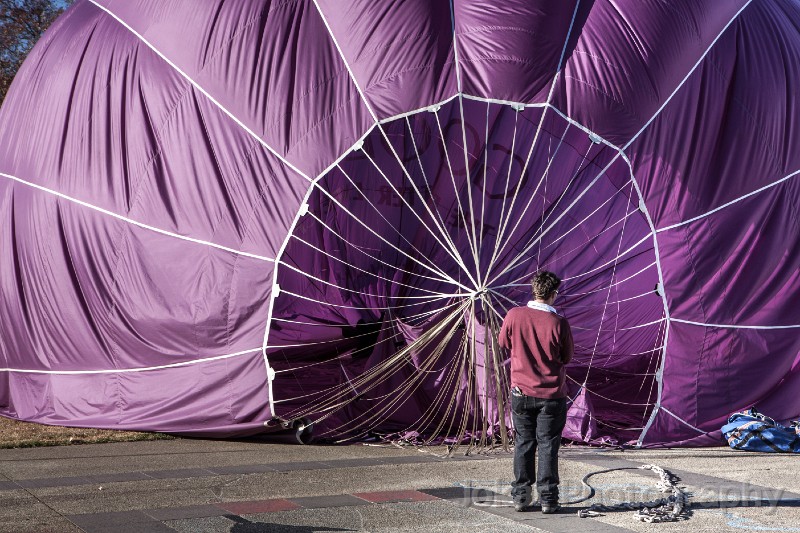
(537, 422)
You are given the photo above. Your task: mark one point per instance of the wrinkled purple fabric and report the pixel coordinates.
(216, 213)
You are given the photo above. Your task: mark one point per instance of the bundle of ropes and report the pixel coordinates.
(669, 509)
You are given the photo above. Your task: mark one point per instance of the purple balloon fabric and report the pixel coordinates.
(216, 216)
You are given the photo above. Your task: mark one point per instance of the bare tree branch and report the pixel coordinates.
(22, 23)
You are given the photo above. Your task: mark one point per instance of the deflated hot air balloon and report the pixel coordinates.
(223, 217)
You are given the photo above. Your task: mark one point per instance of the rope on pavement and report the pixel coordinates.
(669, 509)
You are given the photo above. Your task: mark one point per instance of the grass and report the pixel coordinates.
(16, 434)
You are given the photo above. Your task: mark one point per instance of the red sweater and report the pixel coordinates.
(540, 344)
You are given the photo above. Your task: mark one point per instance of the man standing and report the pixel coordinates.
(541, 345)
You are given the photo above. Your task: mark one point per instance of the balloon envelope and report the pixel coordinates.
(217, 216)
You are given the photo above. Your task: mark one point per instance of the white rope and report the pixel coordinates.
(648, 293)
(485, 171)
(587, 217)
(732, 202)
(129, 370)
(342, 306)
(550, 157)
(621, 151)
(620, 402)
(417, 111)
(608, 294)
(589, 241)
(500, 244)
(438, 220)
(611, 261)
(468, 181)
(455, 257)
(607, 263)
(536, 136)
(446, 279)
(376, 323)
(732, 326)
(660, 373)
(203, 91)
(688, 75)
(273, 292)
(457, 368)
(367, 294)
(679, 419)
(501, 224)
(332, 389)
(638, 326)
(367, 104)
(670, 509)
(135, 222)
(503, 296)
(623, 280)
(616, 357)
(376, 375)
(516, 283)
(472, 245)
(395, 393)
(510, 103)
(418, 319)
(354, 267)
(542, 232)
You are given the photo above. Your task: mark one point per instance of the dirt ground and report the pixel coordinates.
(16, 434)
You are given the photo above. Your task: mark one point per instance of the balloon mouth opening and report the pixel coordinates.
(415, 245)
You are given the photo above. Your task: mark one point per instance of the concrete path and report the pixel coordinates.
(213, 486)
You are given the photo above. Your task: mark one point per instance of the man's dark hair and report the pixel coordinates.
(544, 284)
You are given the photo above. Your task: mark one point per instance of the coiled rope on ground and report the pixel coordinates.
(669, 509)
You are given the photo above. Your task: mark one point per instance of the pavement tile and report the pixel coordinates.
(8, 485)
(91, 521)
(259, 506)
(395, 496)
(448, 493)
(299, 465)
(568, 522)
(119, 478)
(182, 513)
(348, 463)
(42, 483)
(405, 459)
(565, 521)
(472, 457)
(141, 527)
(340, 500)
(177, 474)
(241, 469)
(736, 503)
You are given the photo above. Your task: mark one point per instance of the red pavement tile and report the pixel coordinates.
(258, 506)
(336, 500)
(395, 496)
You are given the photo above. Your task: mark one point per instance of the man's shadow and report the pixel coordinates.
(244, 525)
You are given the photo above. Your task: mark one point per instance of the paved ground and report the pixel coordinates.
(211, 486)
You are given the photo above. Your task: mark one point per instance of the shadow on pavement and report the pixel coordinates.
(244, 525)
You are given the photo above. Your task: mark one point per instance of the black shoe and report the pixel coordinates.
(523, 505)
(550, 508)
